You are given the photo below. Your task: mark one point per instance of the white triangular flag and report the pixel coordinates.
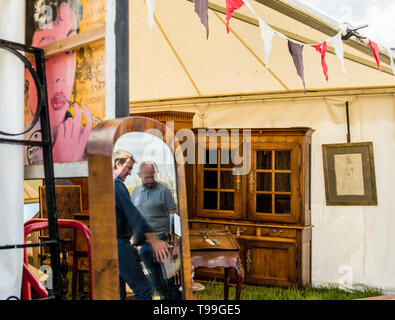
(389, 52)
(151, 7)
(338, 45)
(267, 34)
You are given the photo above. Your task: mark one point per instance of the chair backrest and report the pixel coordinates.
(68, 203)
(28, 279)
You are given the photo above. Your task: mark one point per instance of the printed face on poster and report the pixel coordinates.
(75, 78)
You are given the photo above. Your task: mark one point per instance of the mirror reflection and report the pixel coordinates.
(148, 222)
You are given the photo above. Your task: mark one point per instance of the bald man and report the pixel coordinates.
(130, 223)
(155, 202)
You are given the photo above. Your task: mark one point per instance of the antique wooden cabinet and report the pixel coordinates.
(267, 206)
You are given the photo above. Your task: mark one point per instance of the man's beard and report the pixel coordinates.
(150, 185)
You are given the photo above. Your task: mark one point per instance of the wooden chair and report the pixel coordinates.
(68, 204)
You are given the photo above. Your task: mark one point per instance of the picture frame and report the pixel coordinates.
(349, 174)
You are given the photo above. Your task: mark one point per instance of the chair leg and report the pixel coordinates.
(226, 284)
(239, 286)
(81, 284)
(74, 279)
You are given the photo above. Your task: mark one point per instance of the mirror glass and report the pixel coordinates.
(152, 186)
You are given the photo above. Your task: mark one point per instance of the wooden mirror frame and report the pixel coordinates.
(104, 251)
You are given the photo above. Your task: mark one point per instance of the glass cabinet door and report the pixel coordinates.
(273, 182)
(219, 191)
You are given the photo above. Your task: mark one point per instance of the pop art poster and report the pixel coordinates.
(75, 78)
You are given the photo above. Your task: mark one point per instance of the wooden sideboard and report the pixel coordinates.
(267, 209)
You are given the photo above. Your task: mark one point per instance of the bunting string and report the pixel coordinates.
(295, 47)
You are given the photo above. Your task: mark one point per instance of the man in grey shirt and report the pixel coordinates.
(155, 202)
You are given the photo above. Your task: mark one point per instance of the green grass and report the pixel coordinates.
(215, 291)
(80, 295)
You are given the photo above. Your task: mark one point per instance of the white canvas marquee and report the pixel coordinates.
(224, 81)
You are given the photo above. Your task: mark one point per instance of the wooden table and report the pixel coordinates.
(221, 258)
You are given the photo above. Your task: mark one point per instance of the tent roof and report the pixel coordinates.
(174, 60)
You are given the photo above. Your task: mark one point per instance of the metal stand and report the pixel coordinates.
(46, 145)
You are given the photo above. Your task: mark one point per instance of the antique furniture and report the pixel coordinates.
(267, 208)
(102, 203)
(175, 119)
(68, 203)
(42, 224)
(224, 252)
(80, 267)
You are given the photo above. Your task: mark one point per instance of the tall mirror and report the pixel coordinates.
(136, 181)
(152, 187)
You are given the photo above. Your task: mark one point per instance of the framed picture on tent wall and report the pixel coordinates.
(349, 174)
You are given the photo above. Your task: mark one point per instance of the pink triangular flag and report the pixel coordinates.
(321, 48)
(232, 5)
(376, 54)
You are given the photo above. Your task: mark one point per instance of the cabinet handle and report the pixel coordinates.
(248, 261)
(277, 232)
(237, 183)
(251, 182)
(240, 230)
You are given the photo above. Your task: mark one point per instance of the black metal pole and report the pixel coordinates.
(49, 178)
(42, 112)
(348, 124)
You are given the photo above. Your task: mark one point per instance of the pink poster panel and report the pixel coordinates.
(75, 78)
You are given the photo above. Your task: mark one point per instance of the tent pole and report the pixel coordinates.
(348, 122)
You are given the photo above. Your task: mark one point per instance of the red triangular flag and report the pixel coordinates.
(321, 48)
(231, 5)
(376, 54)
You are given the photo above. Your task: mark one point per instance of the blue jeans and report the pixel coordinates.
(131, 272)
(167, 288)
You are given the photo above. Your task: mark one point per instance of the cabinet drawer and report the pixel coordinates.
(240, 230)
(199, 225)
(278, 232)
